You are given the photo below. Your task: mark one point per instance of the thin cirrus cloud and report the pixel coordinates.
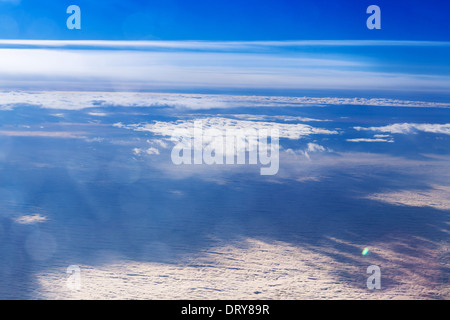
(45, 134)
(286, 118)
(370, 140)
(134, 65)
(215, 45)
(405, 128)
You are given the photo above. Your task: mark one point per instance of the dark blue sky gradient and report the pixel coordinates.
(234, 20)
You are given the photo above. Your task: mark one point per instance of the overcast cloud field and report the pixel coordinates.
(93, 185)
(98, 202)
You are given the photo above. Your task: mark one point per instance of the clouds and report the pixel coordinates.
(154, 65)
(314, 147)
(149, 151)
(311, 148)
(44, 134)
(76, 100)
(217, 140)
(155, 116)
(400, 128)
(286, 118)
(436, 197)
(116, 69)
(229, 46)
(97, 114)
(219, 125)
(405, 128)
(30, 219)
(370, 140)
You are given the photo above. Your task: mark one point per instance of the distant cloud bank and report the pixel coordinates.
(155, 65)
(73, 100)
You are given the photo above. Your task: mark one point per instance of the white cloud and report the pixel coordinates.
(288, 131)
(152, 150)
(216, 130)
(286, 118)
(159, 142)
(404, 128)
(149, 151)
(77, 100)
(211, 45)
(97, 114)
(30, 219)
(59, 68)
(313, 147)
(381, 136)
(370, 140)
(436, 197)
(135, 65)
(308, 179)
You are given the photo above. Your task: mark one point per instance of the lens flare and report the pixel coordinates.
(365, 251)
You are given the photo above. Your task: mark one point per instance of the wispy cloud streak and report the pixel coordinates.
(404, 128)
(145, 65)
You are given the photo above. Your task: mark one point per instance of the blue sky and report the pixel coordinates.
(233, 20)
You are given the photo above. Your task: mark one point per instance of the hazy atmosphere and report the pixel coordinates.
(120, 146)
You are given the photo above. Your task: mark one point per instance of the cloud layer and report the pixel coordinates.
(76, 100)
(152, 65)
